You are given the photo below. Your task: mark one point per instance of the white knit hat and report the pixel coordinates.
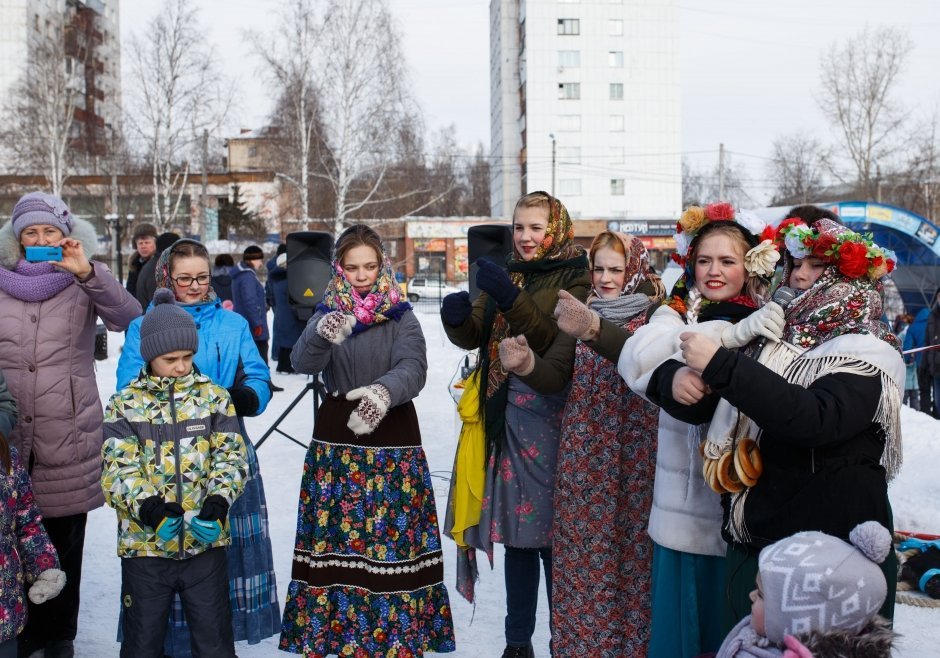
(812, 581)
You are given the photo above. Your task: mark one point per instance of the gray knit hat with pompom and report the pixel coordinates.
(812, 581)
(166, 328)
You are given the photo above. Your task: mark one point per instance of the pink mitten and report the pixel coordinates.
(575, 318)
(795, 648)
(516, 355)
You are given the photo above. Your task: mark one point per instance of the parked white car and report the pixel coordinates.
(421, 287)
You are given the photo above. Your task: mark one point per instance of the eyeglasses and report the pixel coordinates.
(186, 281)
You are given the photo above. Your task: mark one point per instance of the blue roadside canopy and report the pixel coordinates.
(915, 240)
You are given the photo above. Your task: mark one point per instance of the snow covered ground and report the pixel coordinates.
(914, 496)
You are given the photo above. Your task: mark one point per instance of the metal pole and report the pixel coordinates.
(120, 259)
(205, 184)
(553, 163)
(721, 172)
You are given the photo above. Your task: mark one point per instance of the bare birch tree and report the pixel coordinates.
(347, 52)
(177, 94)
(858, 78)
(796, 168)
(289, 60)
(39, 112)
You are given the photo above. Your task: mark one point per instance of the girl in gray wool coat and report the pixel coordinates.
(47, 342)
(367, 567)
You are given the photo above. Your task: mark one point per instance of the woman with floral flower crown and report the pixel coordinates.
(720, 294)
(822, 404)
(367, 575)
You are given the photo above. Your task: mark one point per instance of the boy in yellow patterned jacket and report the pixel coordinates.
(174, 461)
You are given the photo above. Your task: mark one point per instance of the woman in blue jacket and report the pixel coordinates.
(227, 354)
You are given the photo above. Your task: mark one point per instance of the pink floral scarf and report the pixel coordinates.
(384, 302)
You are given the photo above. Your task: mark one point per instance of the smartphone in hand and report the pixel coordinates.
(39, 254)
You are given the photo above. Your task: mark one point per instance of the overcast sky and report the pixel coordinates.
(749, 68)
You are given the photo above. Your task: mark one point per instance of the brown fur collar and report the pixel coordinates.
(874, 641)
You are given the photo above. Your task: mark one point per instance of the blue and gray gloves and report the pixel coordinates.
(493, 280)
(207, 525)
(166, 518)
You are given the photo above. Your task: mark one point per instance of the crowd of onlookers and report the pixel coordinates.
(922, 386)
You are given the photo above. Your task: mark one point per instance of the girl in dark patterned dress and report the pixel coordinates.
(367, 575)
(606, 461)
(522, 423)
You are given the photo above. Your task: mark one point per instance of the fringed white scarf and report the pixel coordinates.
(859, 354)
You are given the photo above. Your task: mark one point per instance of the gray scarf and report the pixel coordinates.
(621, 309)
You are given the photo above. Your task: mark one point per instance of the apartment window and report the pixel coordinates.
(569, 155)
(569, 26)
(616, 155)
(616, 187)
(616, 91)
(615, 27)
(569, 58)
(616, 123)
(615, 59)
(569, 123)
(569, 187)
(570, 91)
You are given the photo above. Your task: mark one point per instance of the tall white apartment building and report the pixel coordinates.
(585, 102)
(90, 30)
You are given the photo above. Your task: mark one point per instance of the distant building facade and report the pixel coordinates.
(585, 102)
(91, 32)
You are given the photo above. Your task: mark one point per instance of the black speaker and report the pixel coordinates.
(309, 254)
(490, 241)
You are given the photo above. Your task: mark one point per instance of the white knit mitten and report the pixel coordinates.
(374, 401)
(336, 326)
(766, 322)
(516, 355)
(47, 586)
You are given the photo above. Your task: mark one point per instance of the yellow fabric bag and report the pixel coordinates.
(470, 465)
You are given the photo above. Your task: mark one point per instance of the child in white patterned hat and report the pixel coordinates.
(817, 597)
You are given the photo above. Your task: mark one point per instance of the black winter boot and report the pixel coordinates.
(60, 649)
(519, 652)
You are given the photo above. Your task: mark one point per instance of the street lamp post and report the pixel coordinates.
(114, 223)
(552, 137)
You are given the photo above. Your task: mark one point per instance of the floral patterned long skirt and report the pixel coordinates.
(602, 558)
(367, 576)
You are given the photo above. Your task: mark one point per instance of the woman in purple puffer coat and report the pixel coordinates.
(47, 341)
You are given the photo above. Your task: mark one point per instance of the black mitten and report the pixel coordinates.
(214, 508)
(493, 280)
(166, 518)
(244, 399)
(456, 308)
